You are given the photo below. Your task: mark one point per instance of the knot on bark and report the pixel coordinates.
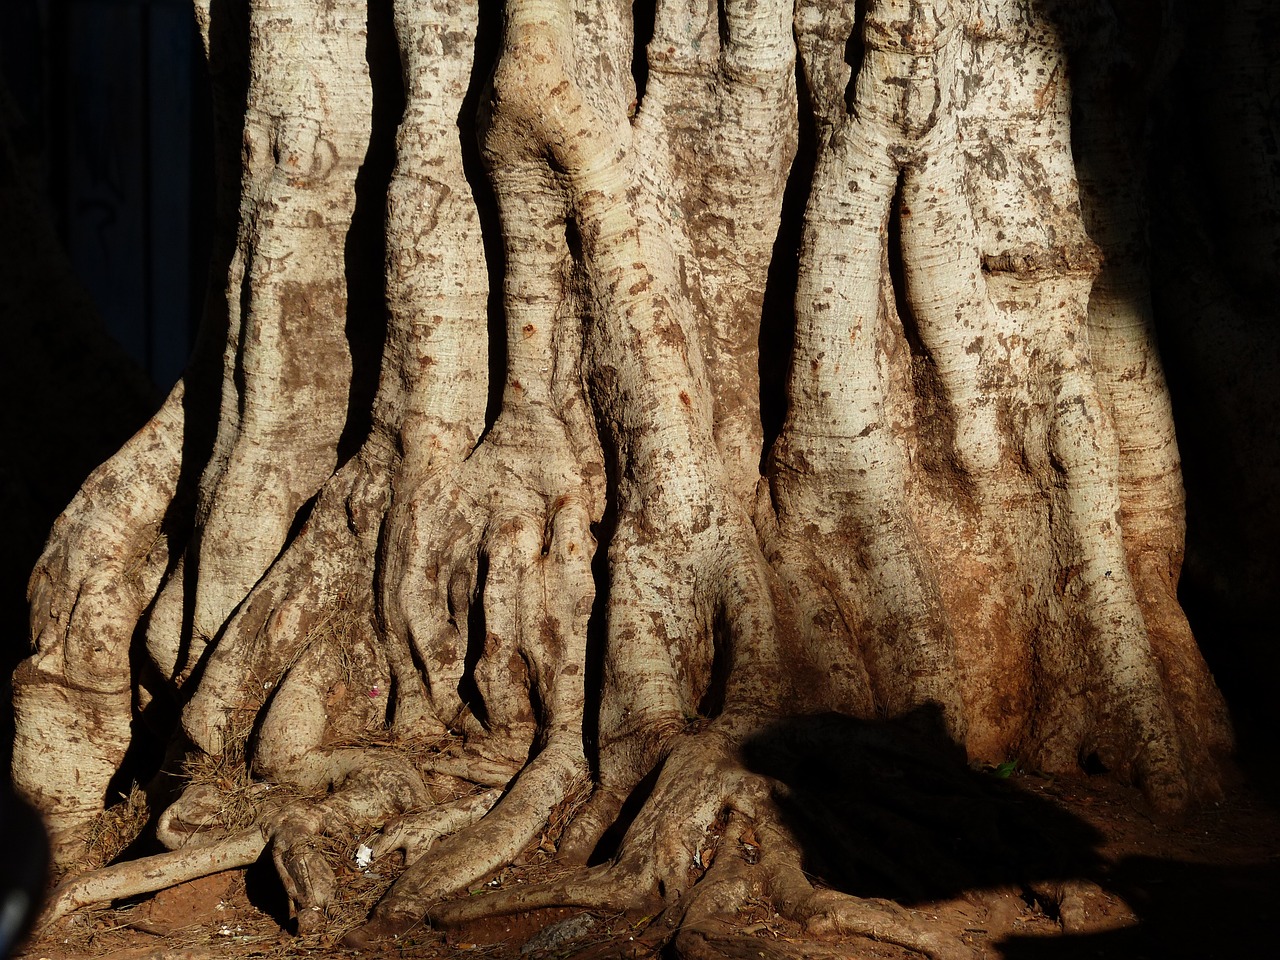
(537, 106)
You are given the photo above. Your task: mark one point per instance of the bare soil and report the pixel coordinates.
(1130, 888)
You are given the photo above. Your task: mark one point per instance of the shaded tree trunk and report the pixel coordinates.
(465, 511)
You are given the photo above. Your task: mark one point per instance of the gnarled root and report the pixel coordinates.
(385, 789)
(72, 698)
(828, 820)
(739, 859)
(471, 853)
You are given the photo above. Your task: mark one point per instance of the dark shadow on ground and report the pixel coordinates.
(1185, 910)
(891, 809)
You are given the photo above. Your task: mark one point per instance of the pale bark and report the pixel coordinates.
(973, 506)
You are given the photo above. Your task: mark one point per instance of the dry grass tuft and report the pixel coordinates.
(229, 772)
(561, 815)
(356, 891)
(115, 828)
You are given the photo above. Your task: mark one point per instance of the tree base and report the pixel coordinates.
(389, 602)
(1149, 890)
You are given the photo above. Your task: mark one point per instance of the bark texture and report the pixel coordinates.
(529, 556)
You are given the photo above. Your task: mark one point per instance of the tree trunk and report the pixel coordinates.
(465, 510)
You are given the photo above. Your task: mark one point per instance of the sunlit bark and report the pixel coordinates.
(506, 596)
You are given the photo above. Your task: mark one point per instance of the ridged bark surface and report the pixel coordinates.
(532, 548)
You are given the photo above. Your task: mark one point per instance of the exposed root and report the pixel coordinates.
(380, 791)
(72, 698)
(598, 889)
(761, 860)
(384, 790)
(827, 820)
(414, 833)
(724, 876)
(478, 770)
(662, 856)
(828, 914)
(150, 874)
(488, 844)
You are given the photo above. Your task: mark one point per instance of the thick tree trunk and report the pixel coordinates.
(446, 607)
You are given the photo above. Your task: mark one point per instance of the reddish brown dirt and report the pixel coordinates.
(1202, 888)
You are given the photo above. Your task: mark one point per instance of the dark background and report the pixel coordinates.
(114, 94)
